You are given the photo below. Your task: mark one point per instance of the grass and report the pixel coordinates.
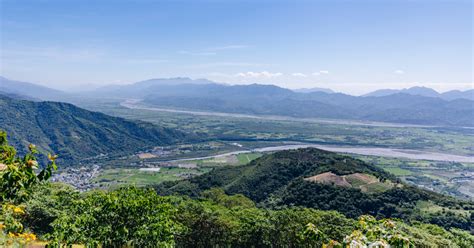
(398, 171)
(428, 207)
(377, 187)
(245, 158)
(141, 178)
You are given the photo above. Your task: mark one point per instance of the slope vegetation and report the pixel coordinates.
(76, 133)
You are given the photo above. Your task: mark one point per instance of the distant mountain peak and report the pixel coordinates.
(30, 90)
(416, 90)
(426, 92)
(421, 90)
(314, 89)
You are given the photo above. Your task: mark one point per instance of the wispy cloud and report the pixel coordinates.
(52, 53)
(67, 55)
(145, 61)
(228, 47)
(262, 74)
(199, 53)
(299, 74)
(210, 51)
(228, 64)
(399, 71)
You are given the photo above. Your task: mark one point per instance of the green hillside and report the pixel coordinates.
(37, 214)
(284, 179)
(76, 133)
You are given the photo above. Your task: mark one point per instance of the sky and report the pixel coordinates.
(349, 46)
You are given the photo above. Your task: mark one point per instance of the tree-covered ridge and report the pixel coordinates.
(278, 180)
(141, 218)
(76, 133)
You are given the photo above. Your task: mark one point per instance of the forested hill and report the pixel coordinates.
(76, 133)
(329, 181)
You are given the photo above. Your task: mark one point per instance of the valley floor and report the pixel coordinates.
(439, 159)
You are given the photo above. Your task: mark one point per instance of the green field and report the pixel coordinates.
(398, 171)
(435, 175)
(113, 177)
(427, 207)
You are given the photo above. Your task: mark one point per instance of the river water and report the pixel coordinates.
(370, 151)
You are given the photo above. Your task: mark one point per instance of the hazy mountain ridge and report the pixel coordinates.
(424, 91)
(29, 90)
(314, 89)
(142, 88)
(272, 100)
(76, 133)
(414, 106)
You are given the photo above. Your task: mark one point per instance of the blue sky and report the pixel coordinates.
(349, 46)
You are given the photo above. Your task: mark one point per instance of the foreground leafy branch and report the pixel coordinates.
(18, 177)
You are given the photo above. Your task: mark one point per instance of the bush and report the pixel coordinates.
(128, 216)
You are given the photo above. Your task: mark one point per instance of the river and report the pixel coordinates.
(370, 151)
(134, 104)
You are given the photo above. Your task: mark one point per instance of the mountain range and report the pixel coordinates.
(424, 91)
(417, 105)
(75, 133)
(260, 99)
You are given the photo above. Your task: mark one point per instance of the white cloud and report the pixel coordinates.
(298, 74)
(399, 72)
(319, 73)
(263, 74)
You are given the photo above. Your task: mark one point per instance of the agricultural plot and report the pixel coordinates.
(116, 177)
(365, 182)
(456, 179)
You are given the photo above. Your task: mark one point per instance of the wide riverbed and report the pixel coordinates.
(370, 151)
(136, 104)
